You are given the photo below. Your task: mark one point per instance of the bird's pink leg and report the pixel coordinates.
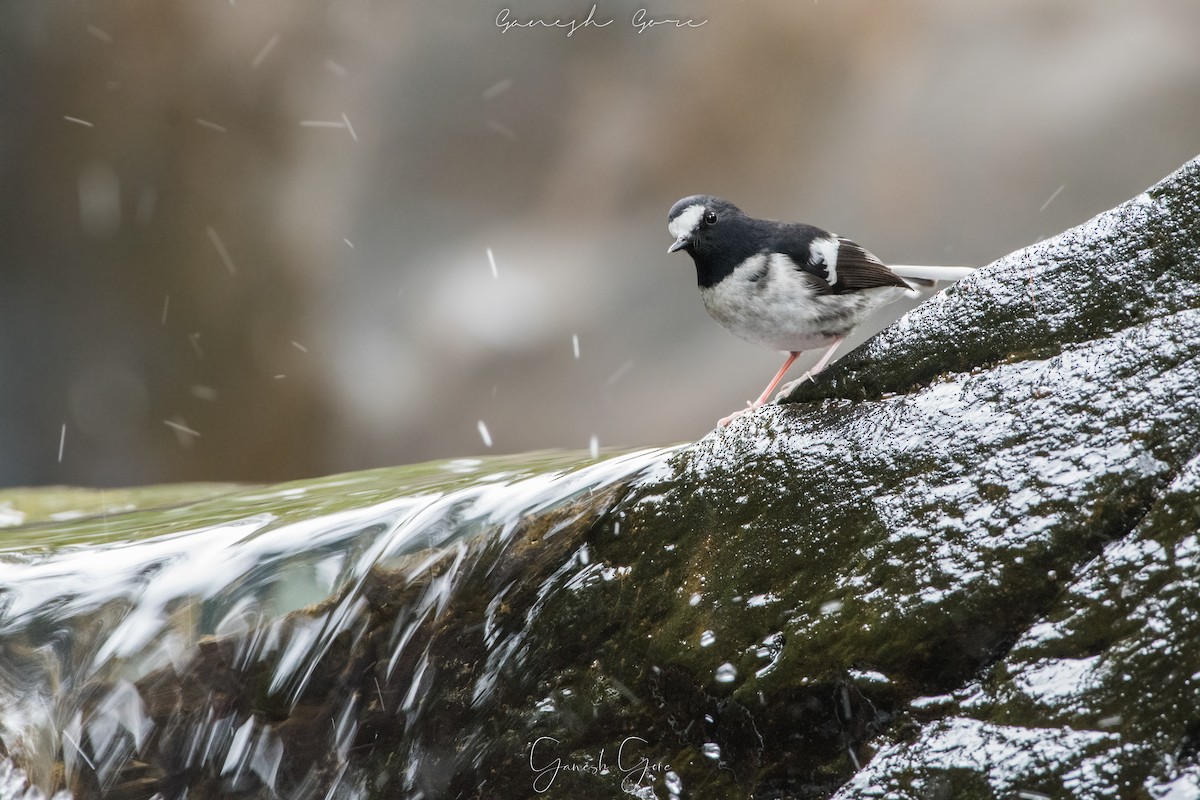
(824, 362)
(762, 398)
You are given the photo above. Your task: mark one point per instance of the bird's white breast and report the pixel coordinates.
(767, 301)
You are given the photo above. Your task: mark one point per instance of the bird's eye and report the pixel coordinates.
(711, 218)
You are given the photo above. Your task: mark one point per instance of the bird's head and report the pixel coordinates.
(693, 220)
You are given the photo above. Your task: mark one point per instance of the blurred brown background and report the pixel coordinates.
(268, 221)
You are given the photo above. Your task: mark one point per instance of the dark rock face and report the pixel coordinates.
(962, 564)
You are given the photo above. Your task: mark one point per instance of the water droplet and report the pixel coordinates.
(711, 750)
(674, 784)
(831, 607)
(502, 86)
(726, 673)
(212, 126)
(264, 52)
(219, 245)
(694, 600)
(707, 638)
(107, 39)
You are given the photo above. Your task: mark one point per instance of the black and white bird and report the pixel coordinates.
(783, 285)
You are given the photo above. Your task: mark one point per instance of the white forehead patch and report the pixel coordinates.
(687, 221)
(825, 251)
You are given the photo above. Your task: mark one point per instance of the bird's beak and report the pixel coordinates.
(680, 243)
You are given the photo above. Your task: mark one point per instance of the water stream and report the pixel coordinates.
(275, 642)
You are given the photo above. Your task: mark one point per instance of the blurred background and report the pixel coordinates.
(274, 239)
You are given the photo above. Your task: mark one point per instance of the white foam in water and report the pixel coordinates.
(267, 756)
(135, 603)
(14, 785)
(239, 747)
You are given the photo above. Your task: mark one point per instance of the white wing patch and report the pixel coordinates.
(825, 251)
(687, 221)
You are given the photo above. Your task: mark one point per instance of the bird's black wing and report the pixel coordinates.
(859, 269)
(853, 268)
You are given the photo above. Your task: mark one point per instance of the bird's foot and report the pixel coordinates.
(791, 386)
(723, 422)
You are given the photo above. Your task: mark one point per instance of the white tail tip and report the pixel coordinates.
(931, 273)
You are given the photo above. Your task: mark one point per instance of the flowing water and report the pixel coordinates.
(269, 642)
